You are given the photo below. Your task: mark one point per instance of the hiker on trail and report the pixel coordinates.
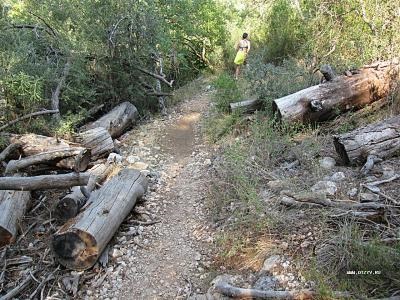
(242, 48)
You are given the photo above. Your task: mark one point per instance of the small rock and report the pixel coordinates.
(115, 253)
(131, 159)
(270, 263)
(265, 283)
(284, 246)
(325, 187)
(369, 197)
(338, 176)
(327, 162)
(276, 185)
(207, 162)
(145, 172)
(197, 256)
(114, 158)
(140, 165)
(352, 193)
(305, 244)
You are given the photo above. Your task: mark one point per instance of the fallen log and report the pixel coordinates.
(44, 182)
(13, 205)
(117, 120)
(381, 139)
(246, 106)
(324, 101)
(69, 206)
(52, 157)
(35, 144)
(98, 140)
(9, 151)
(79, 243)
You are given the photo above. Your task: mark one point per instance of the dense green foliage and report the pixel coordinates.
(106, 42)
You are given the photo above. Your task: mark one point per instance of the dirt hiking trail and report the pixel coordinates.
(168, 259)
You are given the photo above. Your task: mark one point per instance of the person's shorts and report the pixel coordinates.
(240, 58)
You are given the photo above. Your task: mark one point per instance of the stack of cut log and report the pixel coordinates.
(35, 162)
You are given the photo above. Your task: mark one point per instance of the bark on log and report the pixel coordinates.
(44, 182)
(324, 101)
(117, 120)
(381, 139)
(79, 243)
(9, 151)
(13, 205)
(98, 140)
(51, 157)
(246, 106)
(69, 206)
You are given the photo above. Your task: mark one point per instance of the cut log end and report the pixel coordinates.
(341, 150)
(75, 249)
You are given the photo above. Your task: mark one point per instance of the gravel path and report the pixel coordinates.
(169, 259)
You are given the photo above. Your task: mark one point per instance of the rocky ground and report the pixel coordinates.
(167, 254)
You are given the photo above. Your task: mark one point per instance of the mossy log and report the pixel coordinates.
(13, 205)
(343, 93)
(381, 139)
(78, 244)
(117, 120)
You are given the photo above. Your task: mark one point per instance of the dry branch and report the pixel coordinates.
(38, 113)
(240, 293)
(44, 182)
(156, 76)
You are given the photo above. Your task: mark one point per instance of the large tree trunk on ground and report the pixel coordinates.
(52, 157)
(324, 101)
(35, 144)
(79, 243)
(13, 205)
(44, 182)
(98, 140)
(381, 139)
(246, 106)
(69, 206)
(117, 120)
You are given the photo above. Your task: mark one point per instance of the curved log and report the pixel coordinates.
(78, 244)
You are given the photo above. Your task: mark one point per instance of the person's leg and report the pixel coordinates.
(237, 71)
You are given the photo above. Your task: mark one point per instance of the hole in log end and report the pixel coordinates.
(5, 237)
(75, 249)
(66, 208)
(341, 150)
